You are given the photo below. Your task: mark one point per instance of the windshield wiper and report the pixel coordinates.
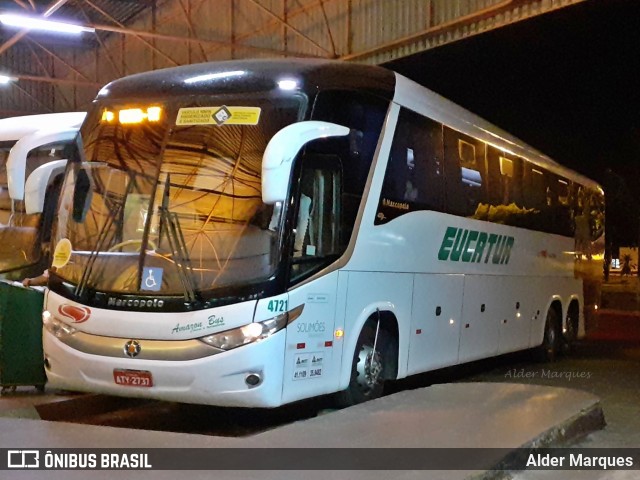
(100, 241)
(170, 224)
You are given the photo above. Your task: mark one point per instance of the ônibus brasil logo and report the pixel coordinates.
(75, 313)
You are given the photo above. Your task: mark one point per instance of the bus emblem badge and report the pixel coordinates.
(72, 312)
(132, 348)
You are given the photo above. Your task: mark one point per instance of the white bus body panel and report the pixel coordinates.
(436, 317)
(368, 292)
(313, 356)
(15, 128)
(17, 160)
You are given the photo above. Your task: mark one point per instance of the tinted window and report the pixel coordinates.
(364, 115)
(414, 179)
(466, 173)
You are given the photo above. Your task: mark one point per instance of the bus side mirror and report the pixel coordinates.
(281, 150)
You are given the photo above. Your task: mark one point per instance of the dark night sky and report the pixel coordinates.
(566, 83)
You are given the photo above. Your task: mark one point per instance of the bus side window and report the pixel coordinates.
(364, 114)
(414, 177)
(564, 216)
(505, 190)
(465, 173)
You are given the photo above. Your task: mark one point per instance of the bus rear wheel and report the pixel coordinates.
(570, 334)
(552, 342)
(368, 367)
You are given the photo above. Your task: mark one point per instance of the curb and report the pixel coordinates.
(580, 425)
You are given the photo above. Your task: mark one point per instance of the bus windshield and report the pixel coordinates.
(167, 201)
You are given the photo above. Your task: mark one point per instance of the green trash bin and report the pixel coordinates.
(21, 357)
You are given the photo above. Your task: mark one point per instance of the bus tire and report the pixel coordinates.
(570, 334)
(367, 367)
(552, 341)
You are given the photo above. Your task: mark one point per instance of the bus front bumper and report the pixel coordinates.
(225, 379)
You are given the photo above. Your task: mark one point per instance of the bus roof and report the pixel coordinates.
(14, 128)
(254, 75)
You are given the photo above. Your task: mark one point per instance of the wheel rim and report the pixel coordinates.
(369, 368)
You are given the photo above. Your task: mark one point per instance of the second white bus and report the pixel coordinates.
(32, 160)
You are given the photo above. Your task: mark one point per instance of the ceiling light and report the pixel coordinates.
(34, 23)
(4, 79)
(288, 84)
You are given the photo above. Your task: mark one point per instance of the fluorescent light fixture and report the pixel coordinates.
(4, 79)
(35, 23)
(214, 76)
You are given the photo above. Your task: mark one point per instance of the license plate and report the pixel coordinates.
(133, 378)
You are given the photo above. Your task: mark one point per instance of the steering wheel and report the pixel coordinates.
(134, 241)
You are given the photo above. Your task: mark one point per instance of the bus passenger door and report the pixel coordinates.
(310, 364)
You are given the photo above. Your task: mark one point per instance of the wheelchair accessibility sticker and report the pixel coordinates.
(151, 279)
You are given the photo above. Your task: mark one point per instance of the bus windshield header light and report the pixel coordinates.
(133, 115)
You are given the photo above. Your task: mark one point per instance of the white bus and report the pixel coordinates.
(252, 233)
(31, 168)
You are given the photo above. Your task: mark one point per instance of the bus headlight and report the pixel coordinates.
(54, 326)
(250, 333)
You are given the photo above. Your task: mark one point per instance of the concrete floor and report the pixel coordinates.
(488, 415)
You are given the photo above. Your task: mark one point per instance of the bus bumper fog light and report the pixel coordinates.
(253, 379)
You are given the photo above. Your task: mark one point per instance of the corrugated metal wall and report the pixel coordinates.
(371, 31)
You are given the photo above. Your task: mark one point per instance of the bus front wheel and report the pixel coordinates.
(368, 367)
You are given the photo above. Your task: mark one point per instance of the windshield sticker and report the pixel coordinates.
(62, 253)
(220, 115)
(151, 279)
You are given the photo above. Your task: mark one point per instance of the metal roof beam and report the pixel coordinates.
(136, 34)
(289, 26)
(192, 30)
(46, 72)
(13, 40)
(161, 36)
(32, 97)
(61, 81)
(59, 59)
(117, 70)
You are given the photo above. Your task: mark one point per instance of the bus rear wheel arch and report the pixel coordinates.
(374, 360)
